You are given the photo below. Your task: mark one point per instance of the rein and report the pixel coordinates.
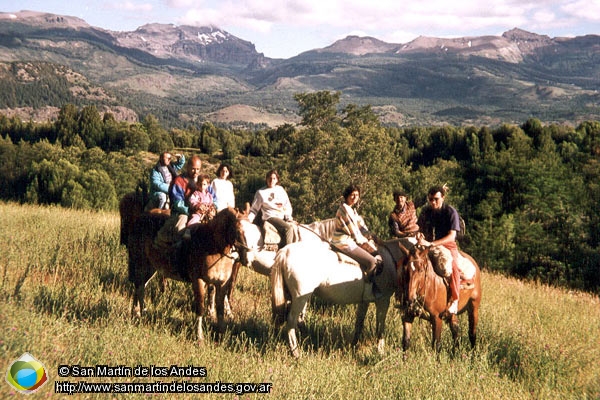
(223, 255)
(242, 245)
(218, 259)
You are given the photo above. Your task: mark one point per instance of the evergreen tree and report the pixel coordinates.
(90, 126)
(160, 140)
(67, 126)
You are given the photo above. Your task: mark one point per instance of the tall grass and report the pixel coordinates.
(65, 298)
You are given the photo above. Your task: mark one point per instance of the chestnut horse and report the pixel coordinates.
(131, 207)
(206, 259)
(427, 296)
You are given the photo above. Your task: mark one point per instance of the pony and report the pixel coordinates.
(305, 268)
(427, 297)
(261, 257)
(131, 207)
(207, 259)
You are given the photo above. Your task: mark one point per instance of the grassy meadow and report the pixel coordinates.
(65, 298)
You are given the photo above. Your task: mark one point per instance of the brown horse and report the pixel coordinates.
(205, 260)
(131, 207)
(426, 296)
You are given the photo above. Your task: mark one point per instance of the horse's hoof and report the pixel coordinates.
(296, 353)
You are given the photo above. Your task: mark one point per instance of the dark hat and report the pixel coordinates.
(398, 193)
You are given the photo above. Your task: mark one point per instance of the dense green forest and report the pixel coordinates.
(529, 194)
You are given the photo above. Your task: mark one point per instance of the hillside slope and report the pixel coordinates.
(178, 71)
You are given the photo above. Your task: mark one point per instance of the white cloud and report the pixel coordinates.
(383, 15)
(585, 9)
(131, 6)
(287, 25)
(184, 3)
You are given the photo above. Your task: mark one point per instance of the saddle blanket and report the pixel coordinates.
(442, 263)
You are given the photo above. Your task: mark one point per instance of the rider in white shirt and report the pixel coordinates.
(274, 203)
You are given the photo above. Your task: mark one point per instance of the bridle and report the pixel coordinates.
(418, 306)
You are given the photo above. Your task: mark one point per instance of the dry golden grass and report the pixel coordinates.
(65, 298)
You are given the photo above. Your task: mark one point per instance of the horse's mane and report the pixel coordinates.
(217, 234)
(323, 229)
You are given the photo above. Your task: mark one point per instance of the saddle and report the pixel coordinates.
(271, 237)
(441, 259)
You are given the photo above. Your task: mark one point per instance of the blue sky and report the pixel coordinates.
(285, 28)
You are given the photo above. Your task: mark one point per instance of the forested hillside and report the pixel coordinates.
(529, 193)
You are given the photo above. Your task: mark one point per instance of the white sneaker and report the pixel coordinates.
(453, 309)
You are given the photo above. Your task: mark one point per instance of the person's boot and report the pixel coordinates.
(453, 309)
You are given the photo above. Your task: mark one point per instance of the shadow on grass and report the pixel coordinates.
(62, 302)
(506, 354)
(112, 282)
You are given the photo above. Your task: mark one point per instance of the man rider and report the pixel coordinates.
(439, 224)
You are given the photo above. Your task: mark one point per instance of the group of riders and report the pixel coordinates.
(193, 198)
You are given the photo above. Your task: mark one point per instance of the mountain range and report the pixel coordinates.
(191, 74)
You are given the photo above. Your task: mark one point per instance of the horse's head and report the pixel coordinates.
(241, 243)
(251, 232)
(416, 264)
(224, 228)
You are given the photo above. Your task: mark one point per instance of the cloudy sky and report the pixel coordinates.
(285, 28)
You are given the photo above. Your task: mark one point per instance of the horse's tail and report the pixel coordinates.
(128, 210)
(144, 228)
(278, 301)
(131, 207)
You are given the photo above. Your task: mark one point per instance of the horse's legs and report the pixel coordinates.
(381, 307)
(361, 312)
(137, 306)
(407, 322)
(199, 288)
(220, 300)
(454, 328)
(296, 308)
(230, 286)
(302, 316)
(436, 333)
(473, 312)
(211, 293)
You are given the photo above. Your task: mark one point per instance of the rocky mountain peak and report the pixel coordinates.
(188, 42)
(45, 20)
(518, 35)
(359, 45)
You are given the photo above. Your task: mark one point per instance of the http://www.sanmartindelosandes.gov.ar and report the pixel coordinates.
(26, 374)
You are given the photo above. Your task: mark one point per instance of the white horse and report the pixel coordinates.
(307, 267)
(261, 255)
